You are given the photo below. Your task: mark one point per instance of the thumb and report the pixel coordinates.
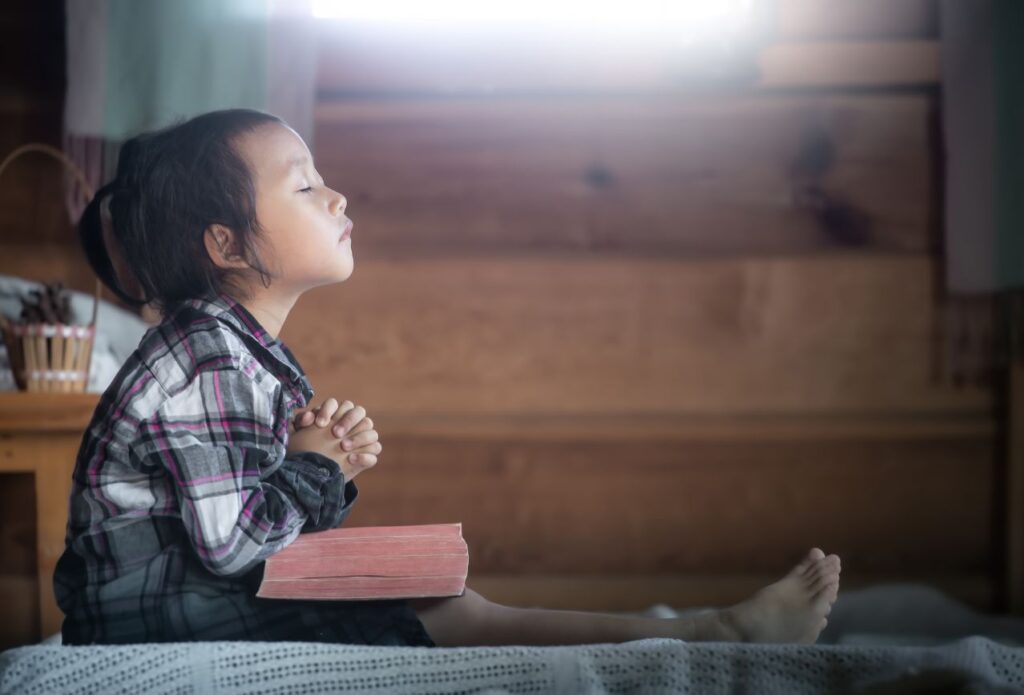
(304, 419)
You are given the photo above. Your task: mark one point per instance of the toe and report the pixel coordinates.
(826, 584)
(810, 561)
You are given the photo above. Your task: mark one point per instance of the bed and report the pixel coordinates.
(887, 639)
(654, 665)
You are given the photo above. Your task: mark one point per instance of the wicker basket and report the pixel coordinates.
(50, 357)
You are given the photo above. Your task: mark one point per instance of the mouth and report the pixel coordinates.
(347, 234)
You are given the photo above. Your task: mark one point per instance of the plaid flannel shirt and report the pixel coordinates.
(183, 487)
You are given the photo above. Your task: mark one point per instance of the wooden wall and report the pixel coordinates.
(648, 340)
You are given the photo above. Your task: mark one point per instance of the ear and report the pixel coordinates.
(221, 246)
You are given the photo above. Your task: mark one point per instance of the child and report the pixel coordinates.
(189, 477)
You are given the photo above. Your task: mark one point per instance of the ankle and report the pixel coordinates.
(715, 625)
(729, 625)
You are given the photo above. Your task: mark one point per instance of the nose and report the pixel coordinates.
(338, 203)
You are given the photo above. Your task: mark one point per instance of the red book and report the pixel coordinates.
(370, 562)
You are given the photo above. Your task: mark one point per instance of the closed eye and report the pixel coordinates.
(307, 189)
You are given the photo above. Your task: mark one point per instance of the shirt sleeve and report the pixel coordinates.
(221, 442)
(318, 484)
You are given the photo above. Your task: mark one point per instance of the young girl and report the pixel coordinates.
(189, 475)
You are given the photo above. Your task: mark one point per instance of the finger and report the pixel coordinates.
(374, 448)
(326, 412)
(362, 461)
(303, 419)
(342, 409)
(364, 425)
(356, 441)
(349, 420)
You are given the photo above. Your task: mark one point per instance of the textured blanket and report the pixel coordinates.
(976, 665)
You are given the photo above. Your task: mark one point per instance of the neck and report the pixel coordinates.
(270, 309)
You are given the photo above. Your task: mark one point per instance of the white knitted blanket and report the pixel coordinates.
(975, 664)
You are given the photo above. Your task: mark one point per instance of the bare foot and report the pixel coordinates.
(793, 609)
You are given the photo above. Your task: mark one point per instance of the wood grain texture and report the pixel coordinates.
(23, 412)
(832, 335)
(50, 457)
(360, 58)
(903, 508)
(897, 63)
(636, 593)
(632, 176)
(665, 427)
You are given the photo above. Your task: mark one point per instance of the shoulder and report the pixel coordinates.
(193, 354)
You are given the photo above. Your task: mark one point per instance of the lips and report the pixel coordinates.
(347, 233)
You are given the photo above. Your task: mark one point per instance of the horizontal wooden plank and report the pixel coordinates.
(907, 507)
(631, 426)
(46, 412)
(863, 19)
(632, 593)
(658, 176)
(851, 64)
(855, 336)
(392, 59)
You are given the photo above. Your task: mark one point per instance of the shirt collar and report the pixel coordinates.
(273, 353)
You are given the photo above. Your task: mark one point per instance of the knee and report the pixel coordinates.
(470, 605)
(470, 611)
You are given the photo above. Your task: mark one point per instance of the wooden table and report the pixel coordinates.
(40, 433)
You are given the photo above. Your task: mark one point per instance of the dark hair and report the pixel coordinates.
(171, 185)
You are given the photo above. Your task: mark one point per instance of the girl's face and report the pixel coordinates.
(303, 220)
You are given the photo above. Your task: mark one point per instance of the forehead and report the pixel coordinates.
(273, 151)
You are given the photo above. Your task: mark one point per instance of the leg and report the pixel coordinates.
(790, 610)
(472, 620)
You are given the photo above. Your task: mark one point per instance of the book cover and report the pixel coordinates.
(370, 562)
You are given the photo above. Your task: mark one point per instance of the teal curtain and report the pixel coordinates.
(137, 65)
(168, 59)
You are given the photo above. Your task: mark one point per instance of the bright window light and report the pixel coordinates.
(694, 16)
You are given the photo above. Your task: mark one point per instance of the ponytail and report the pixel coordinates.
(90, 232)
